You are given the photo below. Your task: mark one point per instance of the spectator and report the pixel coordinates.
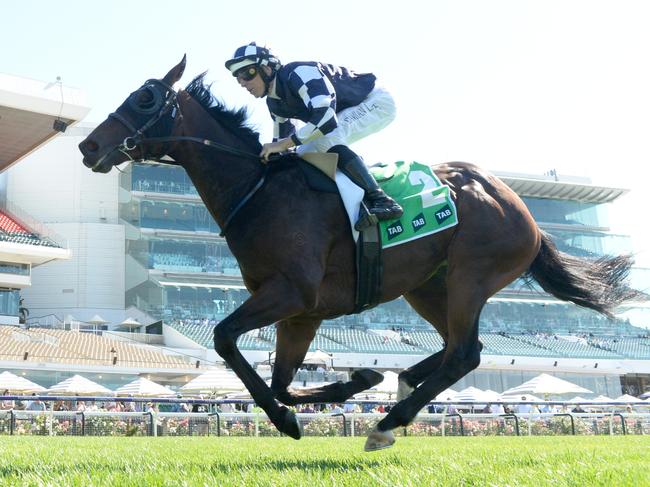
(60, 406)
(36, 405)
(226, 407)
(449, 408)
(497, 409)
(523, 408)
(546, 408)
(307, 408)
(336, 409)
(578, 409)
(6, 404)
(349, 408)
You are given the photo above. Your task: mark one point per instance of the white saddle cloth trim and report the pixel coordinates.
(351, 194)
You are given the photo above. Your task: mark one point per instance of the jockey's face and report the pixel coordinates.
(250, 79)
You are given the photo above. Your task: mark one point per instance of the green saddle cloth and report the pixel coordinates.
(428, 206)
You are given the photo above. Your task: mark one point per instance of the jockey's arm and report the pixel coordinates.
(278, 146)
(318, 94)
(283, 129)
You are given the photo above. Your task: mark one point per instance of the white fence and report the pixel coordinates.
(106, 423)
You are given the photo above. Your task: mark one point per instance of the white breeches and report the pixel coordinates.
(354, 123)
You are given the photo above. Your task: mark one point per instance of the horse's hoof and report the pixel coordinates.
(378, 440)
(290, 425)
(367, 377)
(403, 390)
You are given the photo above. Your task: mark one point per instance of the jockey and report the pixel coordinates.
(338, 107)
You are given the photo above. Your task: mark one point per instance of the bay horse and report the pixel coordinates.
(297, 256)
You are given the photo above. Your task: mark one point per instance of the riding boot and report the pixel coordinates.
(378, 202)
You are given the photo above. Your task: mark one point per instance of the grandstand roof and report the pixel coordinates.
(553, 187)
(28, 110)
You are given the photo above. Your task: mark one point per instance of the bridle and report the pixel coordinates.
(164, 100)
(163, 107)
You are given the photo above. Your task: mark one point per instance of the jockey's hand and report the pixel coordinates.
(281, 145)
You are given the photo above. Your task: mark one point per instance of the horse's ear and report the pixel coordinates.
(176, 72)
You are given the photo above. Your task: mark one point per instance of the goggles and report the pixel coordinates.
(247, 73)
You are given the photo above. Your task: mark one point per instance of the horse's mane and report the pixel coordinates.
(235, 120)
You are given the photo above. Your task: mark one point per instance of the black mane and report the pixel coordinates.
(233, 120)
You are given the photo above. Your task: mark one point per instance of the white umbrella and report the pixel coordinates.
(645, 395)
(142, 387)
(627, 398)
(214, 381)
(16, 383)
(317, 358)
(388, 385)
(130, 323)
(470, 394)
(446, 395)
(579, 399)
(97, 320)
(546, 384)
(80, 386)
(512, 398)
(490, 395)
(601, 398)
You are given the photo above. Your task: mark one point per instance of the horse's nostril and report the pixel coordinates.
(88, 147)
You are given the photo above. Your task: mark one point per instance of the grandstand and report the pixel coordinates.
(13, 232)
(335, 339)
(44, 345)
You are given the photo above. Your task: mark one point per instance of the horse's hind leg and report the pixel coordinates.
(292, 342)
(461, 355)
(430, 302)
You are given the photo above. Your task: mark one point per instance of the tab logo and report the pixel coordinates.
(394, 230)
(442, 214)
(418, 222)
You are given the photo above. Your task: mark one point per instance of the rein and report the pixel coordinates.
(184, 138)
(170, 104)
(222, 148)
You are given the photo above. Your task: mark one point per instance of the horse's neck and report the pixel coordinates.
(221, 179)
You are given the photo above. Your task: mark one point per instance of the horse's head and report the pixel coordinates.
(150, 111)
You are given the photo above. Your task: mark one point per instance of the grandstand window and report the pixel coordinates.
(9, 302)
(188, 217)
(13, 268)
(161, 179)
(546, 210)
(589, 244)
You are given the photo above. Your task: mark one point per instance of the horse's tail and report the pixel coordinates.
(599, 285)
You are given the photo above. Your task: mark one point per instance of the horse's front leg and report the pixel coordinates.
(293, 338)
(273, 301)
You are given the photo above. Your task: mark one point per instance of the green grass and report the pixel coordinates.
(538, 461)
